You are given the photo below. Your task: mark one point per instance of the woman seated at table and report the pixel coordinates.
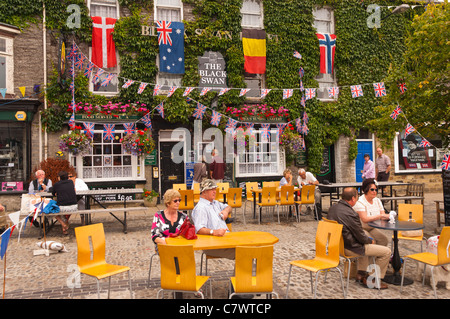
(370, 208)
(287, 178)
(66, 198)
(169, 220)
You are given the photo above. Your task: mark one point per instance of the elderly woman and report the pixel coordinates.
(169, 220)
(287, 178)
(370, 208)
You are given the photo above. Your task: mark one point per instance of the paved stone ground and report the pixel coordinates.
(47, 277)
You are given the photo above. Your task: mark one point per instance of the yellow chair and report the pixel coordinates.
(178, 187)
(268, 199)
(247, 258)
(411, 212)
(234, 199)
(178, 270)
(249, 186)
(220, 190)
(196, 192)
(91, 256)
(427, 258)
(187, 201)
(328, 237)
(286, 199)
(307, 198)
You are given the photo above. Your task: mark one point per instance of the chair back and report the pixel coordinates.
(287, 195)
(328, 241)
(177, 267)
(269, 196)
(178, 187)
(223, 187)
(341, 242)
(234, 197)
(307, 194)
(249, 186)
(246, 258)
(410, 212)
(196, 192)
(443, 246)
(90, 245)
(415, 189)
(187, 199)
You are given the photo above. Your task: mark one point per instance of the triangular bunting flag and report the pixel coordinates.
(22, 90)
(265, 134)
(223, 91)
(356, 90)
(89, 129)
(160, 109)
(287, 93)
(243, 92)
(129, 128)
(147, 120)
(3, 92)
(215, 118)
(127, 84)
(187, 91)
(156, 89)
(172, 91)
(142, 87)
(108, 132)
(204, 91)
(199, 111)
(5, 240)
(264, 92)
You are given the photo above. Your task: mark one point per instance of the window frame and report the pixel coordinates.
(260, 14)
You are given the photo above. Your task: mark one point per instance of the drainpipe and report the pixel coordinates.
(44, 34)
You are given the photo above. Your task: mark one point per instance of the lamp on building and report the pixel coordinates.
(399, 9)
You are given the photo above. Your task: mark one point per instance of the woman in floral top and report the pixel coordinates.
(169, 220)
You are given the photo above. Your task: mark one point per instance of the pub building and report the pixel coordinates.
(24, 72)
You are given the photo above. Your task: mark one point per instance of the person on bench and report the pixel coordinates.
(66, 199)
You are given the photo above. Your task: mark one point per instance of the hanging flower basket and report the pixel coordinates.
(292, 143)
(75, 142)
(139, 143)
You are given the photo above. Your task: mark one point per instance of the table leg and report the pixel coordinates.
(254, 205)
(396, 277)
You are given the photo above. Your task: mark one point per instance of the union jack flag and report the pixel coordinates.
(147, 120)
(73, 52)
(72, 120)
(305, 118)
(243, 92)
(287, 93)
(215, 118)
(160, 109)
(72, 87)
(310, 93)
(129, 128)
(402, 87)
(301, 86)
(396, 112)
(142, 87)
(231, 126)
(127, 84)
(280, 129)
(264, 92)
(379, 88)
(303, 101)
(305, 129)
(298, 124)
(89, 129)
(333, 92)
(187, 91)
(199, 111)
(249, 128)
(265, 132)
(223, 91)
(88, 70)
(97, 75)
(204, 91)
(297, 55)
(108, 79)
(424, 143)
(108, 132)
(445, 162)
(172, 91)
(303, 144)
(79, 60)
(409, 129)
(156, 89)
(164, 30)
(301, 72)
(356, 91)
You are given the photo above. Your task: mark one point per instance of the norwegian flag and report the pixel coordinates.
(215, 118)
(187, 91)
(298, 124)
(243, 92)
(108, 132)
(356, 91)
(310, 93)
(199, 111)
(424, 143)
(147, 121)
(402, 87)
(287, 93)
(333, 92)
(379, 88)
(204, 91)
(156, 89)
(223, 91)
(97, 75)
(280, 130)
(305, 118)
(129, 128)
(164, 30)
(142, 87)
(297, 55)
(89, 129)
(265, 132)
(327, 46)
(160, 109)
(108, 79)
(409, 129)
(172, 91)
(127, 84)
(231, 126)
(446, 162)
(396, 112)
(264, 92)
(88, 70)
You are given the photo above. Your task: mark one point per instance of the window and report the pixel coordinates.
(108, 161)
(7, 61)
(410, 157)
(104, 8)
(13, 155)
(252, 14)
(261, 157)
(324, 23)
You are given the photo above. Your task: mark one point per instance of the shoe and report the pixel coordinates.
(361, 275)
(382, 284)
(242, 296)
(308, 210)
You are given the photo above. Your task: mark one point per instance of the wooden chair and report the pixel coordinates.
(91, 256)
(247, 258)
(328, 237)
(427, 258)
(249, 186)
(413, 189)
(187, 200)
(196, 189)
(286, 199)
(178, 270)
(411, 212)
(220, 190)
(179, 187)
(307, 198)
(234, 199)
(268, 199)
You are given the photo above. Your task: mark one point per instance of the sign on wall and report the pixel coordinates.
(211, 68)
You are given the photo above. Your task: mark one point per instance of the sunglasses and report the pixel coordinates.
(374, 189)
(177, 200)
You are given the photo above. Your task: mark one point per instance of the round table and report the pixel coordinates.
(399, 225)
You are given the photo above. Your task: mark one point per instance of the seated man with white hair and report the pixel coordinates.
(40, 184)
(307, 178)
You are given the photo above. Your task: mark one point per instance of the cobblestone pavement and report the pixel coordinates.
(47, 277)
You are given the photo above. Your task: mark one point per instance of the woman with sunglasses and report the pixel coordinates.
(169, 220)
(370, 208)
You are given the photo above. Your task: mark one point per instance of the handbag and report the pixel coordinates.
(187, 230)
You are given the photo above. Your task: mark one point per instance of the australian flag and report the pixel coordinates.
(171, 46)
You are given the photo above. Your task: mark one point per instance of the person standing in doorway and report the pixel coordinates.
(382, 166)
(368, 169)
(217, 167)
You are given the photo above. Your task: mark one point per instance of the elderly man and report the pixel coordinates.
(40, 184)
(356, 241)
(307, 178)
(382, 166)
(209, 217)
(217, 167)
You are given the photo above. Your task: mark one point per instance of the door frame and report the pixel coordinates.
(373, 148)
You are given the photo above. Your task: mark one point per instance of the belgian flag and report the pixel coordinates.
(254, 44)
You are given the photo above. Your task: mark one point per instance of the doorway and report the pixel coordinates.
(364, 147)
(170, 172)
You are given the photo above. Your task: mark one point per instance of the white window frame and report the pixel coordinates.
(259, 14)
(7, 34)
(105, 3)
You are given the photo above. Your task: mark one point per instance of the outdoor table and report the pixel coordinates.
(396, 278)
(259, 192)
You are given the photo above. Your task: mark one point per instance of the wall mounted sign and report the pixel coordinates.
(211, 68)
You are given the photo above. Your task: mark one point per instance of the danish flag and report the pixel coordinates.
(108, 132)
(103, 47)
(287, 93)
(356, 91)
(215, 118)
(445, 162)
(164, 29)
(310, 93)
(409, 129)
(379, 88)
(396, 112)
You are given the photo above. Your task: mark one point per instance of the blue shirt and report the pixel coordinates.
(206, 214)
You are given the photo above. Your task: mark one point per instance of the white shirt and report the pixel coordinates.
(309, 179)
(80, 185)
(372, 209)
(206, 215)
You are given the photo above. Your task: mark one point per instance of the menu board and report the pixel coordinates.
(446, 188)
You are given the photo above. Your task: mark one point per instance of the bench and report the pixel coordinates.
(414, 191)
(439, 211)
(394, 199)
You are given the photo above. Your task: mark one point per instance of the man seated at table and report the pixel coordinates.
(40, 183)
(356, 241)
(307, 178)
(209, 217)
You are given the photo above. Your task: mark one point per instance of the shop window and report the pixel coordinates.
(7, 64)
